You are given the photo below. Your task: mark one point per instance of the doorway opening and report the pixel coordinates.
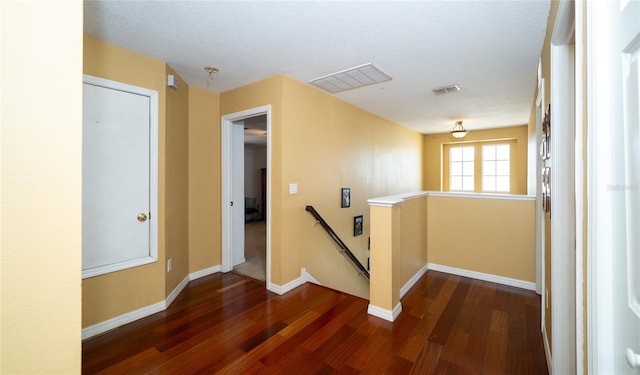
(246, 159)
(255, 197)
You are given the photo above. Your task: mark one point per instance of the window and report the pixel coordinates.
(461, 171)
(495, 168)
(480, 167)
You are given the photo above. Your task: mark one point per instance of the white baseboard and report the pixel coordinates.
(484, 276)
(204, 272)
(123, 319)
(389, 315)
(413, 280)
(547, 352)
(304, 277)
(143, 312)
(282, 289)
(176, 291)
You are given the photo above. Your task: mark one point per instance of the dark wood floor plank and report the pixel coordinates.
(335, 324)
(230, 324)
(449, 316)
(478, 332)
(427, 360)
(366, 352)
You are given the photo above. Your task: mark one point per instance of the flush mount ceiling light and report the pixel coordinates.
(352, 78)
(211, 70)
(446, 89)
(458, 131)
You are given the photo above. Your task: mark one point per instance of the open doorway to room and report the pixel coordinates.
(255, 198)
(246, 205)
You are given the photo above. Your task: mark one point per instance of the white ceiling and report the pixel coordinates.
(489, 48)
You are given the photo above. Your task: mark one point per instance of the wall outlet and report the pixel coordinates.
(169, 264)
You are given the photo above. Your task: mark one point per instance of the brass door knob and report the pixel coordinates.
(142, 217)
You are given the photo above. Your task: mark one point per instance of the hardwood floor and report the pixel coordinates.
(230, 324)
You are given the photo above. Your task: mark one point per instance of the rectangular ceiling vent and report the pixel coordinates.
(446, 89)
(352, 78)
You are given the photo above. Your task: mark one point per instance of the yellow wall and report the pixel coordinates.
(324, 144)
(328, 144)
(204, 180)
(413, 238)
(498, 235)
(385, 251)
(110, 295)
(398, 248)
(433, 154)
(41, 181)
(176, 182)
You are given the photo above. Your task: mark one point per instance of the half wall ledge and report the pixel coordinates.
(410, 231)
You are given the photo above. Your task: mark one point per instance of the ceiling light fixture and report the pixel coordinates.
(211, 70)
(352, 78)
(458, 131)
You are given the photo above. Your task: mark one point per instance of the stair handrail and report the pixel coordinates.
(343, 247)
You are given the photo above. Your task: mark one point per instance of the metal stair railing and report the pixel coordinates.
(343, 247)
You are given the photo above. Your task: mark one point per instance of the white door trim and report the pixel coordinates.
(227, 227)
(540, 242)
(599, 235)
(580, 183)
(563, 270)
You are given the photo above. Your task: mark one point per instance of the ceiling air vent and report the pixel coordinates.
(446, 89)
(352, 78)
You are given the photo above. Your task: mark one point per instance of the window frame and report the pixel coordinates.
(462, 167)
(495, 161)
(446, 163)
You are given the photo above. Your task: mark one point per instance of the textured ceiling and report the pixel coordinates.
(489, 48)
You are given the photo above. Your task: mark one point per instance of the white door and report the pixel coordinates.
(237, 167)
(115, 179)
(628, 256)
(620, 22)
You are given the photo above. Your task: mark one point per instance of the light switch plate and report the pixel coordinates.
(293, 188)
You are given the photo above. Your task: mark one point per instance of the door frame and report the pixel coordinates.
(540, 243)
(563, 192)
(600, 328)
(227, 222)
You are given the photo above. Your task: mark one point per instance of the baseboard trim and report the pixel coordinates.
(282, 289)
(123, 319)
(413, 280)
(547, 351)
(176, 291)
(204, 272)
(484, 276)
(143, 312)
(306, 277)
(388, 315)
